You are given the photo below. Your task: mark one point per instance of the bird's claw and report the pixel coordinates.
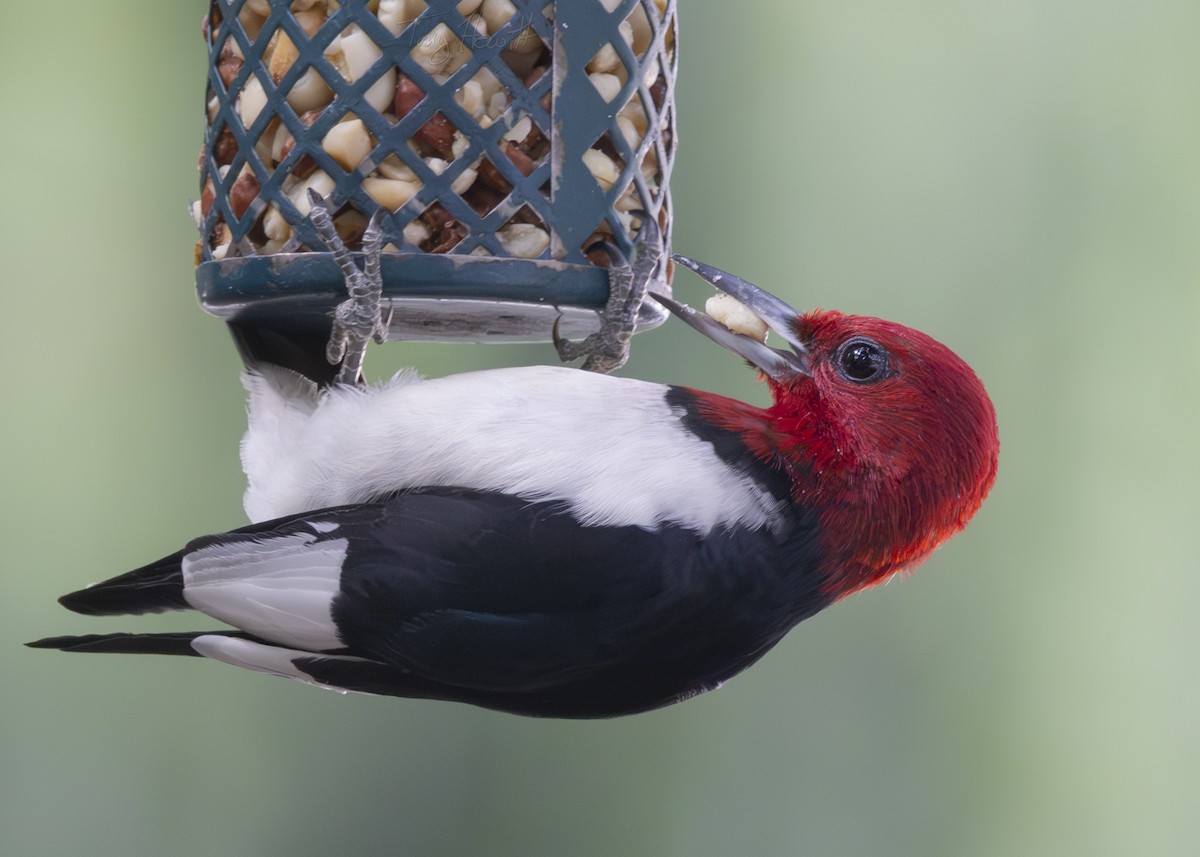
(628, 282)
(362, 317)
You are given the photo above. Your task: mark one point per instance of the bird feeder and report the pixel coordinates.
(501, 139)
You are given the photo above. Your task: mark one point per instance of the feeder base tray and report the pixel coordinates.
(435, 298)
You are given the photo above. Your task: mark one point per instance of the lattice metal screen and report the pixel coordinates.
(503, 138)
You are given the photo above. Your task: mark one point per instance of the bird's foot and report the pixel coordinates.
(362, 317)
(628, 282)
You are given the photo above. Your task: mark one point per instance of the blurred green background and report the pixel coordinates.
(1021, 180)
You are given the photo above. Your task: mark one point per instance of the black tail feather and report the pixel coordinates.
(177, 643)
(150, 589)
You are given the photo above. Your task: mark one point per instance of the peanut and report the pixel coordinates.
(736, 316)
(348, 143)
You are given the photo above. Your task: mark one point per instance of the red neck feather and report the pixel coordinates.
(892, 470)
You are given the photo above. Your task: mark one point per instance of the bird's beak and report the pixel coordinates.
(776, 363)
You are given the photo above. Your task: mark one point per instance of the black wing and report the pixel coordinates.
(493, 593)
(488, 599)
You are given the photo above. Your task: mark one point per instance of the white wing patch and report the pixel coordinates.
(280, 588)
(272, 660)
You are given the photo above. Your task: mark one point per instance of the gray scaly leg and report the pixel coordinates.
(628, 282)
(360, 318)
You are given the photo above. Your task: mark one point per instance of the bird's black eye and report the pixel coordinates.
(862, 360)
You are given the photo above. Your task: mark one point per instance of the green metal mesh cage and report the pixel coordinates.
(502, 138)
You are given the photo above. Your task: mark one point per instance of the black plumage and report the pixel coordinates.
(501, 602)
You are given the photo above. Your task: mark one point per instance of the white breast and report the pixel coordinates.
(610, 449)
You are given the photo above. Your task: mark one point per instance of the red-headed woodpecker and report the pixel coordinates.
(553, 542)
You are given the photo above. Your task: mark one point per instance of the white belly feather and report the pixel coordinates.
(610, 448)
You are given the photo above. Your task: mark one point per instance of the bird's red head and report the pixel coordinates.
(885, 432)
